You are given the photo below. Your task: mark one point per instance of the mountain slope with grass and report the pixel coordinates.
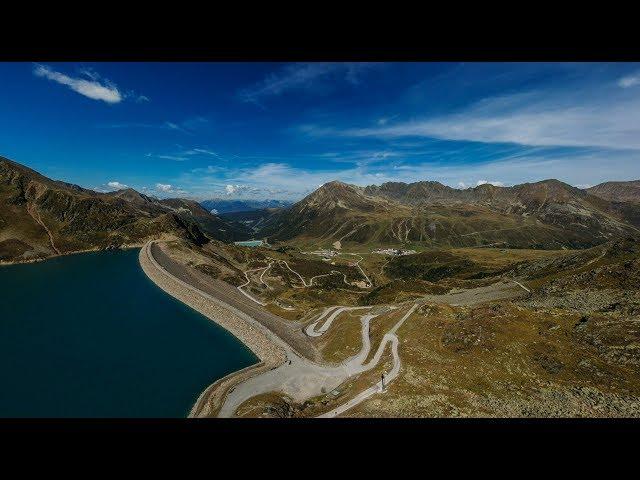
(617, 191)
(548, 214)
(40, 217)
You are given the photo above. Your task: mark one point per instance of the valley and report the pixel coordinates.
(399, 300)
(486, 327)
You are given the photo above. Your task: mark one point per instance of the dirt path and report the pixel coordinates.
(311, 329)
(38, 220)
(304, 282)
(246, 294)
(389, 338)
(502, 290)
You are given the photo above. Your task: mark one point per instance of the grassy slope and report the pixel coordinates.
(77, 219)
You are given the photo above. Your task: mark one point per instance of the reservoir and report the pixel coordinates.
(249, 243)
(89, 335)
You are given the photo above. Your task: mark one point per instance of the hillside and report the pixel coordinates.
(251, 221)
(213, 225)
(40, 217)
(617, 191)
(548, 214)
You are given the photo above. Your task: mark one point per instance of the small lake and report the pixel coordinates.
(89, 335)
(250, 243)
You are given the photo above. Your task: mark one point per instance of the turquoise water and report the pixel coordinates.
(249, 243)
(89, 335)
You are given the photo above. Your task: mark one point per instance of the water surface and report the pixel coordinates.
(89, 335)
(249, 243)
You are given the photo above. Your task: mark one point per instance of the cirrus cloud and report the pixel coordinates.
(305, 76)
(587, 118)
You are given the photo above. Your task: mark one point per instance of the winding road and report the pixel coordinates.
(246, 294)
(302, 379)
(311, 329)
(304, 282)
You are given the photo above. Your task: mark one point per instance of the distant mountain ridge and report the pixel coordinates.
(617, 191)
(546, 214)
(222, 205)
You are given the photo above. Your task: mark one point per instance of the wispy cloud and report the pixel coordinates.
(94, 88)
(304, 76)
(285, 181)
(630, 80)
(160, 126)
(240, 190)
(166, 189)
(188, 126)
(201, 151)
(184, 154)
(115, 185)
(578, 119)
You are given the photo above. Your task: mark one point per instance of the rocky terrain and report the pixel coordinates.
(568, 346)
(617, 191)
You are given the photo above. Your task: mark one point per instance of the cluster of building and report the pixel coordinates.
(326, 255)
(396, 252)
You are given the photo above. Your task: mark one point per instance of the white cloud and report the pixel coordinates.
(116, 185)
(490, 182)
(162, 187)
(240, 190)
(165, 188)
(385, 120)
(609, 119)
(107, 92)
(285, 181)
(629, 81)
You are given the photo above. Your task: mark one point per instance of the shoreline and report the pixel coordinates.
(265, 345)
(66, 254)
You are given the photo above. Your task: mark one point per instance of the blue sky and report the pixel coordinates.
(277, 130)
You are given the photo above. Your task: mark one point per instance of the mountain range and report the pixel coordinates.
(40, 217)
(549, 214)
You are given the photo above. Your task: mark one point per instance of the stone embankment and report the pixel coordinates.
(255, 336)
